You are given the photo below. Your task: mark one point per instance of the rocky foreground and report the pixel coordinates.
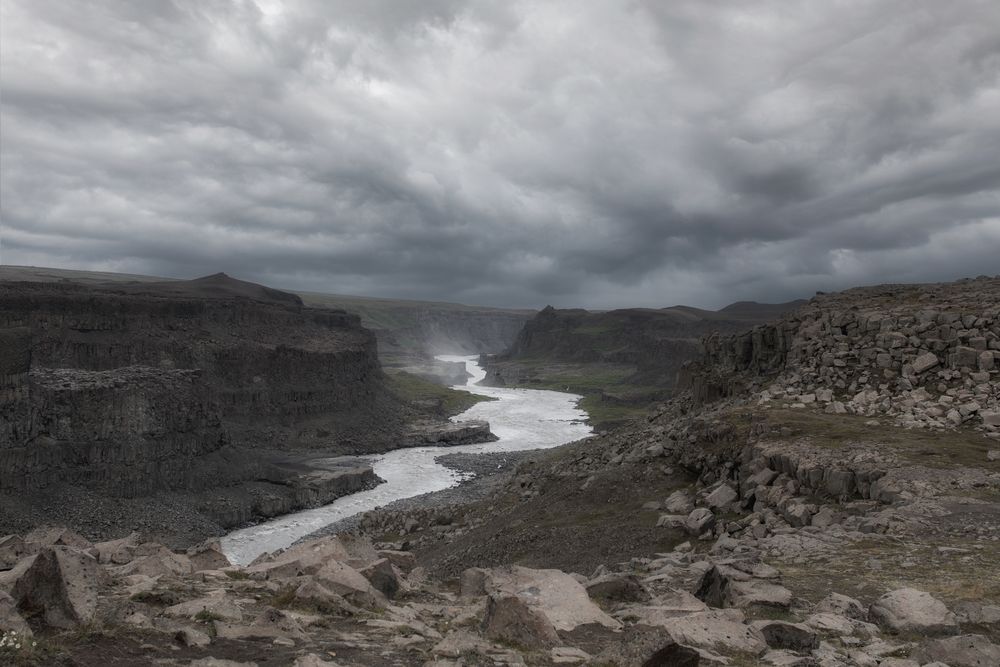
(823, 493)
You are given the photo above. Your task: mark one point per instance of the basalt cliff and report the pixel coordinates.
(208, 395)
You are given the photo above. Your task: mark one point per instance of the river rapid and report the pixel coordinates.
(521, 419)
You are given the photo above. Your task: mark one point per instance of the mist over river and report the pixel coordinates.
(521, 418)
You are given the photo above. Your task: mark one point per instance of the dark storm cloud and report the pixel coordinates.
(582, 153)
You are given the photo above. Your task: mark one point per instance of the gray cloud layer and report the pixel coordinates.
(518, 153)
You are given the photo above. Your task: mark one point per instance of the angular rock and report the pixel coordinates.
(719, 629)
(347, 582)
(679, 502)
(960, 651)
(215, 605)
(12, 549)
(557, 595)
(208, 556)
(925, 362)
(117, 552)
(648, 646)
(784, 635)
(60, 581)
(722, 497)
(700, 520)
(912, 610)
(384, 577)
(509, 618)
(618, 588)
(835, 603)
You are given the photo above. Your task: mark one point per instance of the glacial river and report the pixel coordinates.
(521, 418)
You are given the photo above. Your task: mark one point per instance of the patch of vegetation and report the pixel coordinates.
(443, 401)
(943, 449)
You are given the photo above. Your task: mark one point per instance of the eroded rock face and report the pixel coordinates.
(961, 651)
(557, 595)
(509, 618)
(61, 582)
(912, 610)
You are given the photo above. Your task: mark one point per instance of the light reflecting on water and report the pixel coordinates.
(521, 418)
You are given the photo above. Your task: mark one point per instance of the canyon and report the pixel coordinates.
(220, 401)
(818, 489)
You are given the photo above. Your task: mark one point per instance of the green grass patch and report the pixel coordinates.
(425, 394)
(944, 449)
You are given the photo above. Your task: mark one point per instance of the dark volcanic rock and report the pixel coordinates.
(133, 389)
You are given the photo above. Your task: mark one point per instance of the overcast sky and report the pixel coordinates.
(598, 154)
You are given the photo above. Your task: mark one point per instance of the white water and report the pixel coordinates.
(521, 418)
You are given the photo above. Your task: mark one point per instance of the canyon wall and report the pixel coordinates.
(923, 354)
(130, 389)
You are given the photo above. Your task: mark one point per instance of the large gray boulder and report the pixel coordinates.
(61, 581)
(561, 598)
(912, 610)
(962, 651)
(508, 618)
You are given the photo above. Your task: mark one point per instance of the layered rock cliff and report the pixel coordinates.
(128, 390)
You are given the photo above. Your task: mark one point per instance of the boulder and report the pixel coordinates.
(912, 610)
(648, 646)
(835, 603)
(925, 362)
(322, 598)
(508, 618)
(62, 582)
(679, 502)
(722, 497)
(208, 556)
(12, 549)
(215, 605)
(961, 651)
(52, 536)
(718, 630)
(700, 520)
(557, 595)
(117, 552)
(784, 635)
(404, 560)
(347, 582)
(617, 588)
(384, 577)
(299, 559)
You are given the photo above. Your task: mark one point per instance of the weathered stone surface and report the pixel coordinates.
(347, 582)
(836, 603)
(384, 577)
(560, 597)
(700, 520)
(912, 610)
(214, 605)
(722, 497)
(61, 582)
(509, 618)
(792, 636)
(208, 556)
(648, 646)
(617, 588)
(960, 651)
(721, 629)
(925, 362)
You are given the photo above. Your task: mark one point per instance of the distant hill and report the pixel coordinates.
(409, 332)
(621, 360)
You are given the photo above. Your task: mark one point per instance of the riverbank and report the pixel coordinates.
(487, 472)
